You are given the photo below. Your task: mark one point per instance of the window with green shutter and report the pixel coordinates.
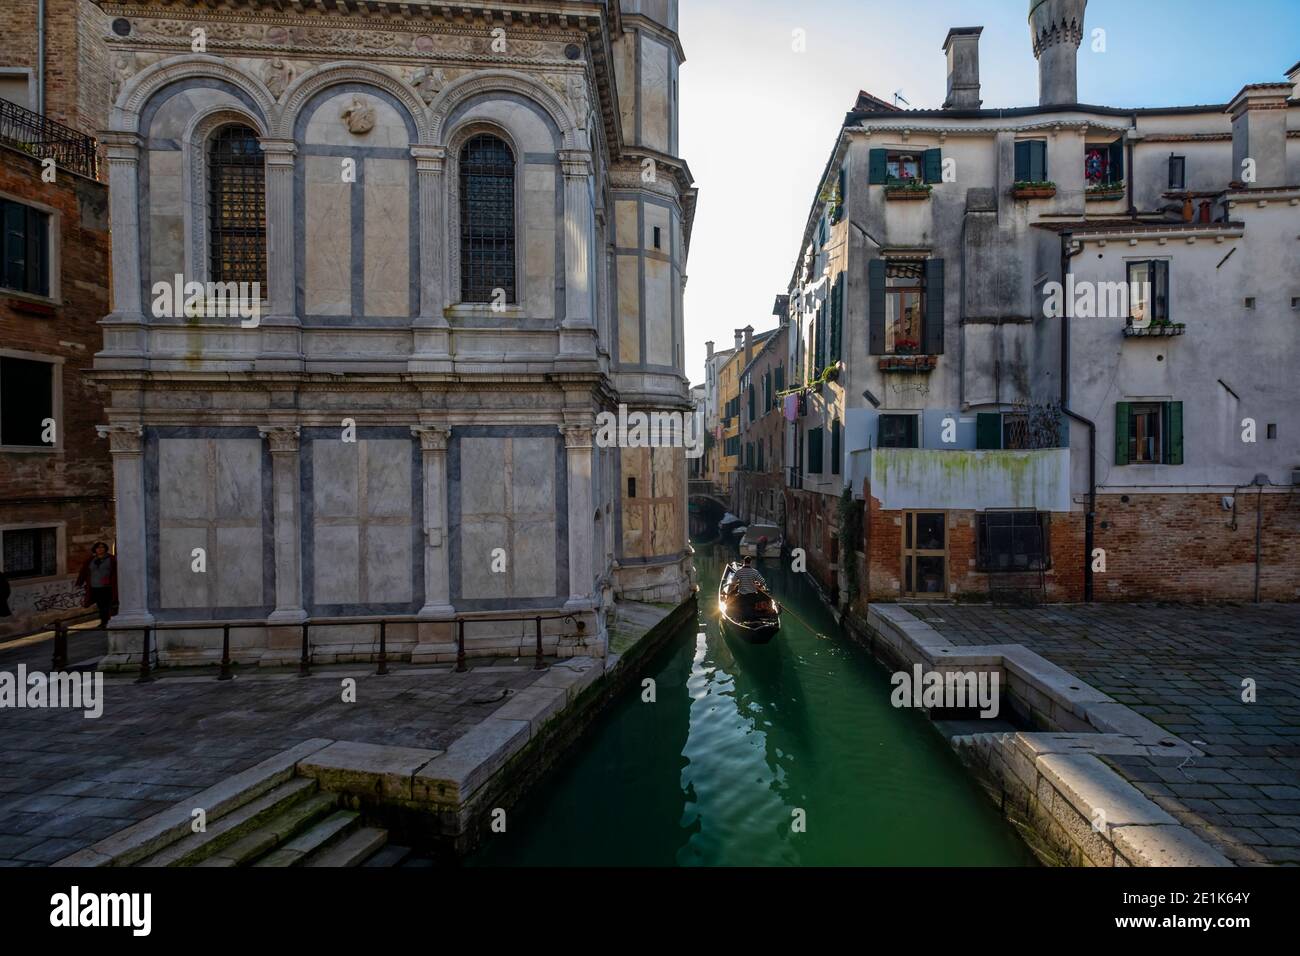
(876, 341)
(835, 447)
(934, 165)
(837, 320)
(878, 167)
(932, 332)
(1031, 161)
(815, 454)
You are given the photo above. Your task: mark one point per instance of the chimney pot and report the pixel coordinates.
(1259, 134)
(963, 49)
(1057, 30)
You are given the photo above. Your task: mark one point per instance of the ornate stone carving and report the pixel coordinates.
(432, 437)
(576, 88)
(281, 438)
(429, 81)
(577, 436)
(277, 74)
(123, 439)
(358, 116)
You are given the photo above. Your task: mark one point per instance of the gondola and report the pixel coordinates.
(755, 618)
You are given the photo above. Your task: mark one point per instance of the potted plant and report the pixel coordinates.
(1104, 191)
(1034, 190)
(906, 347)
(907, 189)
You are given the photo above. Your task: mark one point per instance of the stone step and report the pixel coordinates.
(234, 825)
(293, 852)
(353, 850)
(390, 855)
(279, 829)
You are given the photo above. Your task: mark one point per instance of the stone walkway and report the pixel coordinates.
(1183, 667)
(67, 782)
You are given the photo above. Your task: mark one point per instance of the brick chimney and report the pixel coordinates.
(1057, 30)
(749, 345)
(740, 339)
(1259, 114)
(708, 348)
(963, 50)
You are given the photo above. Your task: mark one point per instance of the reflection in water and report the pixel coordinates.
(739, 739)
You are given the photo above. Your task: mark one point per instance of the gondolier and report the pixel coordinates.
(747, 580)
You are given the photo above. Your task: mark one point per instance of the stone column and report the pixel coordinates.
(125, 332)
(126, 444)
(287, 510)
(577, 335)
(432, 334)
(281, 335)
(578, 444)
(437, 576)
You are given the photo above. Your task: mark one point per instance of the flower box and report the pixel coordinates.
(907, 363)
(1105, 193)
(1033, 190)
(1154, 330)
(902, 191)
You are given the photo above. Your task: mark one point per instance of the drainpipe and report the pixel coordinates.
(1261, 481)
(1091, 515)
(40, 57)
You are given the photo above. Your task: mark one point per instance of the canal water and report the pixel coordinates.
(741, 744)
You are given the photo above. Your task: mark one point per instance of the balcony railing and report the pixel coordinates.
(45, 139)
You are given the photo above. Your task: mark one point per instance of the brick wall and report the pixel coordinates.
(1170, 547)
(803, 530)
(77, 66)
(72, 487)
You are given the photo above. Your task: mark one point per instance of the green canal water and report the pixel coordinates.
(738, 739)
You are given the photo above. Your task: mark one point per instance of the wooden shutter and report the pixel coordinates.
(878, 167)
(835, 447)
(780, 378)
(1121, 433)
(815, 457)
(1117, 161)
(1023, 162)
(837, 319)
(932, 333)
(988, 431)
(38, 248)
(1159, 289)
(1174, 433)
(876, 312)
(934, 165)
(1038, 160)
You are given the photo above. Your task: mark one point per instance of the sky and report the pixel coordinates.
(758, 120)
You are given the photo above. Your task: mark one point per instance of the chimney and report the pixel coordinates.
(749, 344)
(1057, 29)
(963, 49)
(740, 339)
(708, 346)
(1259, 134)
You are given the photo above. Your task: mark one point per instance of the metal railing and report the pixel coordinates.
(43, 138)
(225, 670)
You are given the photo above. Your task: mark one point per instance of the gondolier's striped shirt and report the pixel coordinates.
(749, 579)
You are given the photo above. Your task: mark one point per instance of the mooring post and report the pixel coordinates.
(460, 646)
(304, 665)
(224, 673)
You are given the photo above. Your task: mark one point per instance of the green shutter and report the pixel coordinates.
(837, 319)
(1121, 433)
(780, 378)
(1023, 175)
(1174, 431)
(815, 457)
(988, 431)
(1038, 160)
(932, 333)
(934, 165)
(876, 315)
(878, 167)
(1117, 161)
(835, 447)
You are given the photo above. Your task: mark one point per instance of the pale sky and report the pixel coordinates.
(758, 120)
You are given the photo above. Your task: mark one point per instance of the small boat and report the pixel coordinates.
(754, 617)
(762, 541)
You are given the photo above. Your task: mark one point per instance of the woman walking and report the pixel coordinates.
(99, 577)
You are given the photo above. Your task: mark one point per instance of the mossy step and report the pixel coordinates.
(237, 823)
(321, 834)
(352, 850)
(274, 832)
(389, 856)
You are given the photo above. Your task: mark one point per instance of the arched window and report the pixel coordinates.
(487, 220)
(236, 207)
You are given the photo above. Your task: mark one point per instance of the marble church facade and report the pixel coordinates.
(469, 226)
